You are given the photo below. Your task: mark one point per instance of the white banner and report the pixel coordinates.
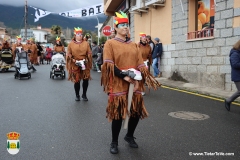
(77, 13)
(84, 12)
(39, 13)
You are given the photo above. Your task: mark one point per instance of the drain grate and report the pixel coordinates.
(188, 115)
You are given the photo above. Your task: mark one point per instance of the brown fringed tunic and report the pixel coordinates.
(78, 51)
(59, 48)
(14, 46)
(145, 50)
(124, 55)
(33, 53)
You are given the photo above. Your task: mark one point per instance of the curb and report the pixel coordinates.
(196, 92)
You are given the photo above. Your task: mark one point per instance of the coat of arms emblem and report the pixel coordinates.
(13, 142)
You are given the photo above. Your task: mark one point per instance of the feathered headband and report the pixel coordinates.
(19, 37)
(142, 34)
(120, 18)
(77, 30)
(58, 39)
(30, 39)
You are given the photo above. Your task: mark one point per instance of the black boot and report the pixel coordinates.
(34, 70)
(227, 105)
(84, 97)
(114, 148)
(131, 141)
(77, 98)
(85, 87)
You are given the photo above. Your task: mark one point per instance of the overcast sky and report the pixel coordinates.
(53, 5)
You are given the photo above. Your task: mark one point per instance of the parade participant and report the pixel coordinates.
(30, 49)
(6, 45)
(35, 54)
(145, 50)
(48, 55)
(121, 54)
(39, 52)
(0, 45)
(78, 49)
(17, 44)
(59, 47)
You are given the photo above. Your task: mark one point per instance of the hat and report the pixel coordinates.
(77, 30)
(58, 39)
(19, 37)
(94, 42)
(120, 18)
(157, 39)
(142, 34)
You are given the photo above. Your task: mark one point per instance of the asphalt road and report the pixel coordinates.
(53, 126)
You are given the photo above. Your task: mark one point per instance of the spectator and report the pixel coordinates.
(157, 52)
(94, 54)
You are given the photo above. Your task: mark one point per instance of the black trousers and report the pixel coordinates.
(84, 86)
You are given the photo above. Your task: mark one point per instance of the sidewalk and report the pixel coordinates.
(196, 88)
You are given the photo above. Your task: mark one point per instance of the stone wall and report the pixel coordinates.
(204, 62)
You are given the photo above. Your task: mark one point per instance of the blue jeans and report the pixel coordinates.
(155, 67)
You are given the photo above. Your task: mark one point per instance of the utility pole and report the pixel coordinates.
(26, 13)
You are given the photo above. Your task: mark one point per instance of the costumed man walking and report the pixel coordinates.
(17, 44)
(79, 50)
(122, 54)
(145, 50)
(59, 48)
(30, 49)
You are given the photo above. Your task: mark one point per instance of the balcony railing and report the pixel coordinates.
(206, 33)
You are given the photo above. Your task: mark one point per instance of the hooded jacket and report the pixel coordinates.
(235, 64)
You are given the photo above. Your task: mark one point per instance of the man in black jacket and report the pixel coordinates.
(156, 55)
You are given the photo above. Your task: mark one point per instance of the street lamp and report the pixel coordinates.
(98, 29)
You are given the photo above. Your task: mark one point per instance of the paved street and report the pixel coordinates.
(55, 127)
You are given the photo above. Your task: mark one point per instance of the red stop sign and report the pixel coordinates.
(106, 30)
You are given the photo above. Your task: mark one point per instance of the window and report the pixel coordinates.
(201, 19)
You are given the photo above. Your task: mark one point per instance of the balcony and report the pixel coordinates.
(140, 6)
(111, 6)
(155, 3)
(201, 35)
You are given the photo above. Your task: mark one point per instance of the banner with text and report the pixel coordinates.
(77, 13)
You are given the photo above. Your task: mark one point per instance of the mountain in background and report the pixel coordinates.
(13, 17)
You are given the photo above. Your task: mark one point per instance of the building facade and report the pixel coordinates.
(197, 36)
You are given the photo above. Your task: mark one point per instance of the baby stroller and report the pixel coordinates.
(57, 66)
(6, 60)
(22, 64)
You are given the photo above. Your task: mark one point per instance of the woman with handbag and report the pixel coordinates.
(78, 52)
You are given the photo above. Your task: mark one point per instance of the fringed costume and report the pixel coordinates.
(122, 55)
(59, 48)
(79, 51)
(17, 44)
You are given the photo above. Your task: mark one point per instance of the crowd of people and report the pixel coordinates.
(37, 53)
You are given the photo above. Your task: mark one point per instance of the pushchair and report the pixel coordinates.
(22, 64)
(6, 60)
(58, 65)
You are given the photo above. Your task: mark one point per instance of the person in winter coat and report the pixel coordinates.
(157, 52)
(235, 73)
